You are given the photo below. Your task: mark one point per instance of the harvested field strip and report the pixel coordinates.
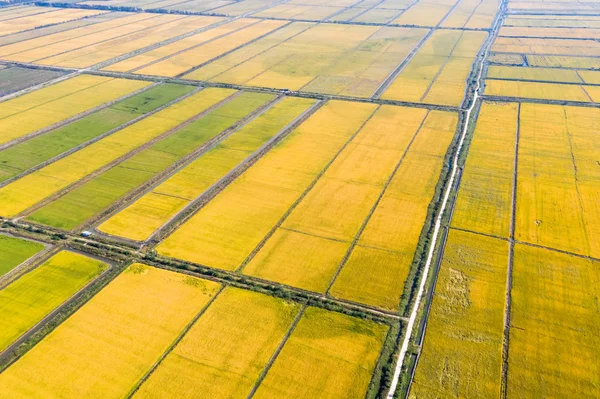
(73, 37)
(554, 339)
(94, 54)
(89, 199)
(426, 13)
(21, 157)
(438, 72)
(484, 200)
(199, 5)
(14, 79)
(227, 348)
(23, 193)
(181, 46)
(182, 63)
(558, 61)
(541, 90)
(230, 226)
(238, 8)
(571, 47)
(113, 340)
(36, 110)
(552, 21)
(566, 33)
(14, 251)
(539, 74)
(313, 58)
(461, 355)
(338, 355)
(557, 196)
(381, 256)
(33, 21)
(141, 219)
(41, 54)
(30, 298)
(506, 59)
(19, 12)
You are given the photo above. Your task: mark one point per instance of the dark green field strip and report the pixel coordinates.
(16, 78)
(14, 251)
(91, 198)
(19, 158)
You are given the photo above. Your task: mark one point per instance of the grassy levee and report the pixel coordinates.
(14, 251)
(87, 200)
(28, 154)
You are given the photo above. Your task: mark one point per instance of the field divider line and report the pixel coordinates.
(274, 356)
(74, 118)
(175, 54)
(398, 70)
(367, 219)
(199, 202)
(366, 10)
(180, 164)
(450, 11)
(408, 7)
(175, 342)
(472, 13)
(226, 53)
(122, 158)
(306, 191)
(40, 324)
(438, 220)
(341, 11)
(39, 86)
(509, 272)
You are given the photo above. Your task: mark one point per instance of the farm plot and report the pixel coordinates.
(475, 14)
(14, 251)
(107, 346)
(199, 5)
(547, 47)
(461, 355)
(535, 74)
(230, 226)
(225, 351)
(542, 32)
(557, 195)
(438, 72)
(30, 112)
(554, 341)
(385, 249)
(553, 21)
(542, 90)
(20, 157)
(31, 297)
(13, 79)
(142, 218)
(204, 47)
(553, 7)
(27, 191)
(300, 12)
(506, 59)
(242, 8)
(563, 61)
(484, 201)
(351, 60)
(91, 198)
(53, 16)
(328, 355)
(426, 13)
(21, 11)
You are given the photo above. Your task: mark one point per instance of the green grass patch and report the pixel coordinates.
(14, 251)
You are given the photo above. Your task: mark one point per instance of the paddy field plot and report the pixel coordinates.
(225, 351)
(142, 218)
(47, 16)
(108, 345)
(29, 190)
(536, 74)
(506, 59)
(473, 14)
(547, 46)
(513, 89)
(30, 298)
(553, 21)
(14, 251)
(554, 341)
(438, 73)
(547, 32)
(23, 156)
(461, 354)
(13, 79)
(91, 198)
(36, 110)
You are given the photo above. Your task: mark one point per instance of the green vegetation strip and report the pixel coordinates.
(91, 198)
(19, 158)
(14, 251)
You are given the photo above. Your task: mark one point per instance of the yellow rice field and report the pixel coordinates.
(563, 61)
(112, 341)
(53, 16)
(572, 47)
(473, 14)
(567, 33)
(425, 13)
(540, 90)
(539, 74)
(506, 59)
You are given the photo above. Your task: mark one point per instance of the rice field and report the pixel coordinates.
(14, 79)
(542, 90)
(14, 251)
(45, 16)
(30, 298)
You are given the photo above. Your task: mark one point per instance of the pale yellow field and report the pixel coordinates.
(484, 200)
(438, 72)
(23, 193)
(55, 16)
(112, 341)
(563, 61)
(230, 226)
(571, 47)
(329, 355)
(293, 11)
(393, 231)
(33, 111)
(539, 90)
(473, 14)
(226, 350)
(541, 74)
(151, 211)
(425, 13)
(506, 59)
(554, 346)
(567, 33)
(462, 351)
(553, 21)
(181, 63)
(591, 77)
(141, 60)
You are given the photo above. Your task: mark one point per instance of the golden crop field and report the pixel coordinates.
(563, 61)
(113, 340)
(537, 74)
(541, 90)
(568, 21)
(506, 59)
(26, 22)
(547, 46)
